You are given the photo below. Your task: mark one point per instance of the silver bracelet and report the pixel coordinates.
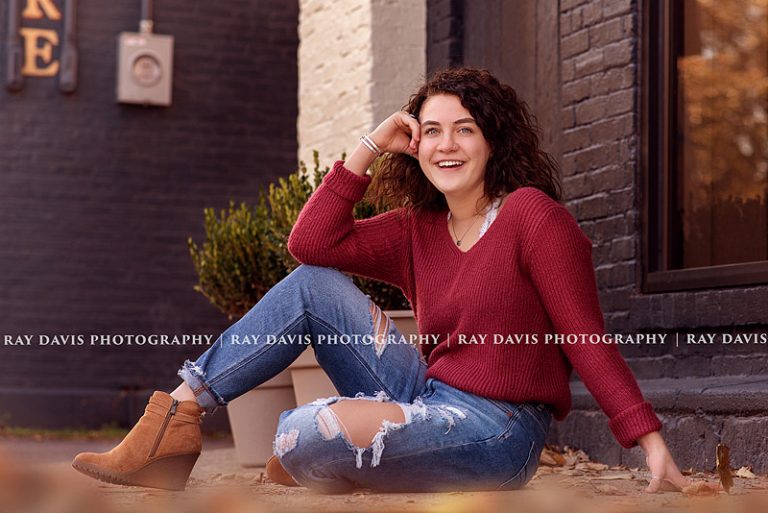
(368, 143)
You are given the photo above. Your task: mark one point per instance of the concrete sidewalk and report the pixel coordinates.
(219, 483)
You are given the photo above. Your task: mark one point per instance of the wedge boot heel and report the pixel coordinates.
(169, 473)
(159, 452)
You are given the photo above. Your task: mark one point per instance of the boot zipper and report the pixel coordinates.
(160, 434)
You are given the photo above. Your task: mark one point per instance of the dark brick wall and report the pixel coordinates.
(602, 179)
(603, 182)
(599, 119)
(97, 199)
(519, 43)
(445, 34)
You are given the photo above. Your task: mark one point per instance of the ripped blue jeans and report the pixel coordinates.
(449, 439)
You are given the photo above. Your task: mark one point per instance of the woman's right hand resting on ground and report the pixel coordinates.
(399, 133)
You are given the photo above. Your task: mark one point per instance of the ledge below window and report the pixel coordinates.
(731, 275)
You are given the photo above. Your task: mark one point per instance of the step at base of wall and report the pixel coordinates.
(697, 413)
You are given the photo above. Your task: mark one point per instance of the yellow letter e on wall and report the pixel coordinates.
(33, 51)
(39, 43)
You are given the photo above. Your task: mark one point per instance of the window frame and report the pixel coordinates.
(658, 115)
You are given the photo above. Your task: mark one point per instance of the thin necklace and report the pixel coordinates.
(458, 240)
(490, 210)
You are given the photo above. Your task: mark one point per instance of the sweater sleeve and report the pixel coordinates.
(559, 260)
(327, 234)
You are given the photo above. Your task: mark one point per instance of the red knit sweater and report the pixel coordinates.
(530, 274)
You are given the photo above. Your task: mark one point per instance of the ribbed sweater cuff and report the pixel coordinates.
(634, 422)
(345, 183)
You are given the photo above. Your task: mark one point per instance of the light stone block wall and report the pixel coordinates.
(399, 54)
(358, 62)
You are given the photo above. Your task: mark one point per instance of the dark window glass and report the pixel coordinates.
(719, 210)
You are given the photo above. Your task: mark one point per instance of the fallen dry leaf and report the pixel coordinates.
(756, 485)
(574, 481)
(724, 467)
(606, 489)
(617, 475)
(746, 473)
(700, 488)
(573, 457)
(551, 457)
(591, 466)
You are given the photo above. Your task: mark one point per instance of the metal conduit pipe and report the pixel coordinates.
(68, 73)
(14, 58)
(146, 25)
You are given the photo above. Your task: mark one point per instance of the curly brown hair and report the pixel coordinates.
(506, 123)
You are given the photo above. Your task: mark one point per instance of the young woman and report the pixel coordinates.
(493, 266)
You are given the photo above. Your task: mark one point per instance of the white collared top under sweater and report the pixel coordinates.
(490, 215)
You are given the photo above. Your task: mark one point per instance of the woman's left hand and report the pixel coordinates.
(665, 476)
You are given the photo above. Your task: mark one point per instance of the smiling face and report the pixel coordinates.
(453, 152)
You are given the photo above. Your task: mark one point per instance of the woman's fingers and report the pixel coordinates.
(413, 147)
(654, 485)
(665, 476)
(661, 484)
(400, 133)
(414, 125)
(415, 130)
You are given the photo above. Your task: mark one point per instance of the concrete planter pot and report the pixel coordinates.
(253, 416)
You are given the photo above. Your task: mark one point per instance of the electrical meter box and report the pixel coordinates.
(144, 68)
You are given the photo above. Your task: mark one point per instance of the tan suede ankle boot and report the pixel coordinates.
(159, 452)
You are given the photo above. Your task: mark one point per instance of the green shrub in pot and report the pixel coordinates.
(245, 252)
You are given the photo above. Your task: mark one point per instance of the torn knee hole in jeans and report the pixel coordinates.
(330, 426)
(381, 327)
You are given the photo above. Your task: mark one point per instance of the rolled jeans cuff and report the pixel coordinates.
(208, 399)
